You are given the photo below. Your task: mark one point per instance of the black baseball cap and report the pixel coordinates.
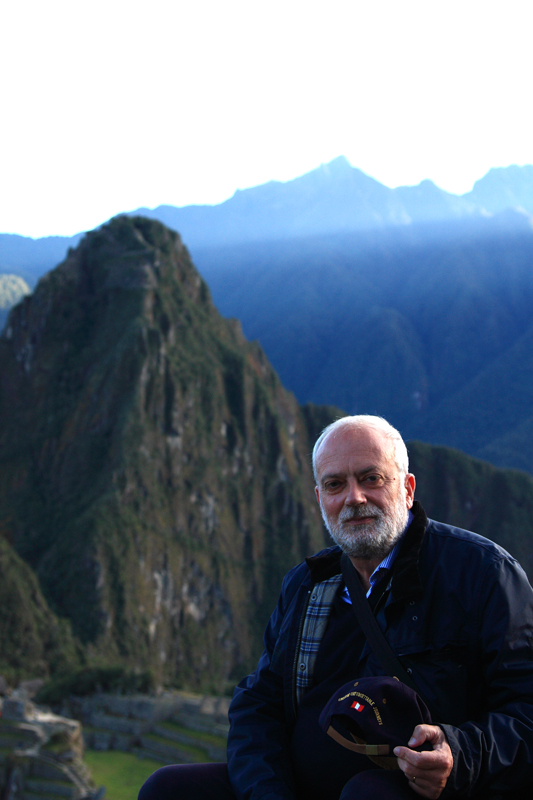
(372, 716)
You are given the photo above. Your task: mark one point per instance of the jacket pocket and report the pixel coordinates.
(441, 675)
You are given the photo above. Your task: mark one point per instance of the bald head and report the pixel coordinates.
(366, 422)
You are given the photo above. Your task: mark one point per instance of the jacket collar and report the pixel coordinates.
(406, 575)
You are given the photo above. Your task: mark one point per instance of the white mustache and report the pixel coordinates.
(359, 512)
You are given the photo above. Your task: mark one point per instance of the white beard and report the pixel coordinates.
(373, 539)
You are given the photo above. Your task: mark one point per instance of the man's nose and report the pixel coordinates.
(355, 495)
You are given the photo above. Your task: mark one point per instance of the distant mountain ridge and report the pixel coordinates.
(337, 198)
(504, 187)
(333, 198)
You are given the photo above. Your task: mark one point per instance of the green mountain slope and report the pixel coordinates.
(155, 472)
(469, 493)
(33, 641)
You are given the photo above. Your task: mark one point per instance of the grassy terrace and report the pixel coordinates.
(122, 774)
(196, 754)
(200, 736)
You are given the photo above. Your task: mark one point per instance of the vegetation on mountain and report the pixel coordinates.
(471, 494)
(33, 641)
(90, 679)
(317, 418)
(155, 472)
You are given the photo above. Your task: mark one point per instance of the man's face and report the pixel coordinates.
(363, 499)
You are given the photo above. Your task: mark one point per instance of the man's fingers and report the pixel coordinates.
(426, 784)
(429, 759)
(422, 786)
(428, 771)
(426, 733)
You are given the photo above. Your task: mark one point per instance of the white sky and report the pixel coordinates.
(110, 105)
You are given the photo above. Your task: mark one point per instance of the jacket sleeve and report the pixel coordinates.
(496, 751)
(259, 761)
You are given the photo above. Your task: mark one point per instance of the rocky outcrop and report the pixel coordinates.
(41, 754)
(12, 289)
(155, 473)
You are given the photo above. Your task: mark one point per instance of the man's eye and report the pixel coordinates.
(373, 479)
(332, 485)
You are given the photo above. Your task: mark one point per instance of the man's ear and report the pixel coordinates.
(410, 484)
(317, 493)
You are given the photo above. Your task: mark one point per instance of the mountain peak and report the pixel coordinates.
(155, 472)
(504, 187)
(337, 166)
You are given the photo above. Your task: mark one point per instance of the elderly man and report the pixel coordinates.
(457, 611)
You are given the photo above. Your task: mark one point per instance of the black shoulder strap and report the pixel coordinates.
(371, 629)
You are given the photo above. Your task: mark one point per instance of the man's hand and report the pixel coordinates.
(428, 771)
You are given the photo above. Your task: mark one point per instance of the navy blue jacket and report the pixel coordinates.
(459, 615)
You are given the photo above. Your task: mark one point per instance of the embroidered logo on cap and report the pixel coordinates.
(390, 712)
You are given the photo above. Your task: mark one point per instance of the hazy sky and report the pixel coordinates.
(110, 105)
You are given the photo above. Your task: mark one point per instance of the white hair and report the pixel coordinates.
(362, 421)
